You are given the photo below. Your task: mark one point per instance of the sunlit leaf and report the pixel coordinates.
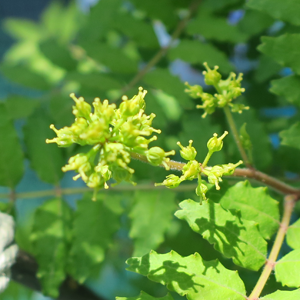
(291, 136)
(145, 296)
(293, 235)
(283, 295)
(231, 235)
(190, 276)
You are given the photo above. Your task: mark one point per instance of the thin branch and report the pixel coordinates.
(289, 203)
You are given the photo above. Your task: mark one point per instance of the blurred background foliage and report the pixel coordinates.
(109, 48)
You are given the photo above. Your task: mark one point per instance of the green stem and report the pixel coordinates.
(237, 137)
(289, 203)
(207, 158)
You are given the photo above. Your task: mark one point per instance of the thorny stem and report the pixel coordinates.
(237, 137)
(289, 203)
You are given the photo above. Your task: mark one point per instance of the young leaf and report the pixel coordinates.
(287, 269)
(288, 11)
(196, 52)
(231, 235)
(293, 235)
(283, 49)
(151, 216)
(283, 295)
(291, 137)
(287, 87)
(190, 276)
(51, 235)
(93, 228)
(11, 156)
(45, 159)
(254, 204)
(145, 296)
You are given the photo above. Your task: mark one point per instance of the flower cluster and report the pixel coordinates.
(113, 134)
(193, 169)
(227, 90)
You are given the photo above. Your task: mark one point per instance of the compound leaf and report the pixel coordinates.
(11, 157)
(293, 235)
(45, 159)
(287, 87)
(196, 52)
(291, 136)
(145, 296)
(51, 236)
(288, 11)
(231, 235)
(93, 228)
(283, 295)
(151, 216)
(283, 49)
(287, 269)
(254, 204)
(190, 276)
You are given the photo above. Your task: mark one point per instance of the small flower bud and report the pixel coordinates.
(195, 91)
(211, 77)
(156, 155)
(191, 170)
(171, 182)
(201, 191)
(215, 144)
(82, 108)
(189, 152)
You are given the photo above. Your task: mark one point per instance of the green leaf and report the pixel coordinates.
(190, 276)
(61, 109)
(94, 225)
(254, 204)
(215, 28)
(287, 87)
(288, 10)
(51, 235)
(293, 235)
(113, 58)
(283, 49)
(151, 216)
(267, 68)
(169, 84)
(45, 159)
(283, 295)
(291, 136)
(231, 235)
(97, 81)
(140, 31)
(24, 76)
(287, 269)
(11, 158)
(196, 52)
(20, 107)
(58, 54)
(145, 296)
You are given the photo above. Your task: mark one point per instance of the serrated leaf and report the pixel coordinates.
(24, 76)
(196, 52)
(45, 159)
(93, 228)
(113, 58)
(288, 10)
(97, 81)
(20, 107)
(172, 85)
(11, 158)
(58, 54)
(287, 269)
(283, 49)
(215, 28)
(231, 235)
(140, 31)
(291, 136)
(287, 87)
(51, 235)
(254, 204)
(145, 296)
(190, 276)
(283, 295)
(151, 216)
(293, 235)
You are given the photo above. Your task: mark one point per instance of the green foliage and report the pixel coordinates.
(291, 136)
(293, 234)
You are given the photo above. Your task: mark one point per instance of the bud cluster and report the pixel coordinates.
(227, 90)
(193, 169)
(113, 134)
